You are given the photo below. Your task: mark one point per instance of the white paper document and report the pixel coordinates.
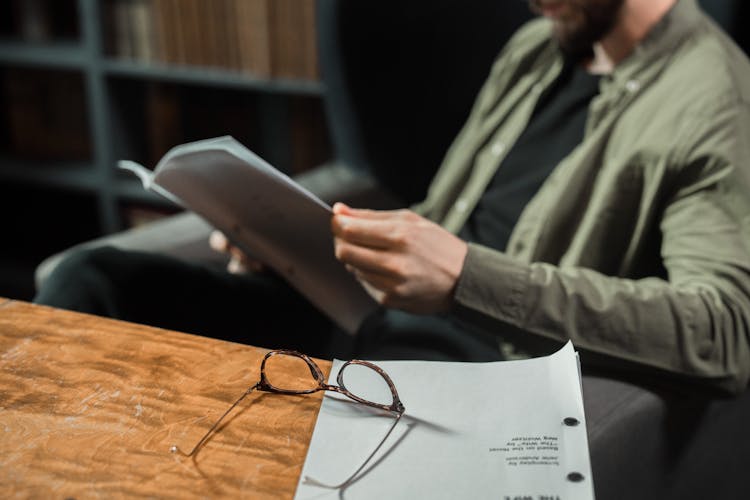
(264, 213)
(502, 430)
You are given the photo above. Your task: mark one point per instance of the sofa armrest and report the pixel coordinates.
(654, 444)
(183, 236)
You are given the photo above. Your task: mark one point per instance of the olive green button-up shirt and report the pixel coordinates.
(637, 247)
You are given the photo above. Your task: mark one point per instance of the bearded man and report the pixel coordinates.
(598, 193)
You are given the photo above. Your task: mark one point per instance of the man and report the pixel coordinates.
(599, 192)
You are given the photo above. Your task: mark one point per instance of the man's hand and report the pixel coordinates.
(239, 262)
(411, 261)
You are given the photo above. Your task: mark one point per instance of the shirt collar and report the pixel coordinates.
(652, 54)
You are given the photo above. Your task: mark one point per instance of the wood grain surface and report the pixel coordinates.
(89, 407)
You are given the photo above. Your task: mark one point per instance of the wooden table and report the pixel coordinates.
(89, 407)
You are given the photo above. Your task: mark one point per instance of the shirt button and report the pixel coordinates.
(497, 149)
(462, 205)
(633, 86)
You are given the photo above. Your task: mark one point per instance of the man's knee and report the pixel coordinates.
(101, 262)
(81, 280)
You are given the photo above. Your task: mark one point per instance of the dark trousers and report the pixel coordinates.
(257, 309)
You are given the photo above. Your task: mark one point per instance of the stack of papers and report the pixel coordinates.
(501, 430)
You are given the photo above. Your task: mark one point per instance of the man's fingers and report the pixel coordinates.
(371, 233)
(385, 284)
(239, 262)
(236, 266)
(218, 241)
(236, 253)
(374, 233)
(364, 213)
(366, 260)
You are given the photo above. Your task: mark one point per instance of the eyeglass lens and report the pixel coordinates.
(287, 372)
(366, 383)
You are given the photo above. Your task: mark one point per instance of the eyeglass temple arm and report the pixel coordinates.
(176, 449)
(351, 478)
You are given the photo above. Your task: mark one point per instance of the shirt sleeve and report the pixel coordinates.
(694, 323)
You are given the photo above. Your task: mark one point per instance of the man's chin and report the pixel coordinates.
(574, 47)
(553, 10)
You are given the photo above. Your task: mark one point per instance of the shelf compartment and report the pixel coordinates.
(263, 38)
(44, 115)
(156, 116)
(39, 21)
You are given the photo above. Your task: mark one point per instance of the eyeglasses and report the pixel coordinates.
(286, 372)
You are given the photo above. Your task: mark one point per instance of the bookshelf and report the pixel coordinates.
(132, 71)
(84, 83)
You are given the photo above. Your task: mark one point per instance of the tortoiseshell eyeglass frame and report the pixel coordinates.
(396, 407)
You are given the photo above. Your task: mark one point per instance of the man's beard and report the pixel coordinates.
(584, 23)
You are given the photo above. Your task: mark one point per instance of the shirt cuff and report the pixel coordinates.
(494, 284)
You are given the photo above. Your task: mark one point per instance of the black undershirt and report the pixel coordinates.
(555, 128)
